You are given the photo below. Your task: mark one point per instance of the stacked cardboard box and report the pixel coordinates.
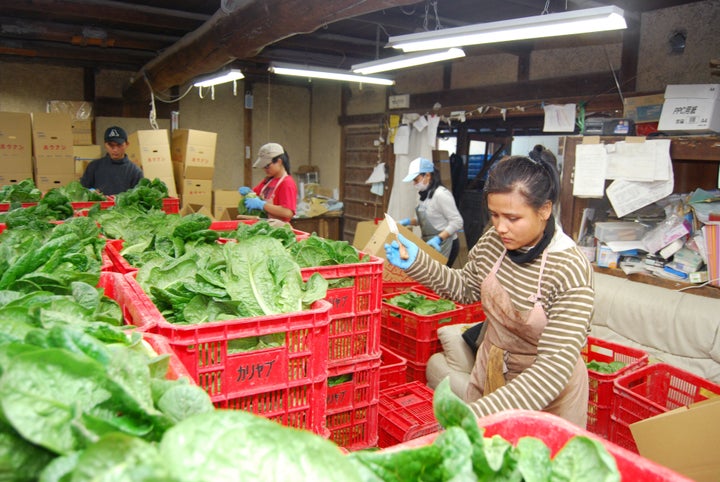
(15, 147)
(52, 150)
(224, 199)
(150, 150)
(81, 114)
(193, 157)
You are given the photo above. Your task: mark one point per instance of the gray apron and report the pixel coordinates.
(510, 347)
(428, 232)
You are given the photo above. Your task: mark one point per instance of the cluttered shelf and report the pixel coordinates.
(708, 291)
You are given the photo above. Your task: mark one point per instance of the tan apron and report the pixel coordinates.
(510, 346)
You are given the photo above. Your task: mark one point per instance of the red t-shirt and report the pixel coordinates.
(284, 194)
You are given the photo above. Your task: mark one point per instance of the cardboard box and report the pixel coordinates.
(197, 191)
(45, 182)
(14, 177)
(194, 151)
(379, 234)
(691, 109)
(643, 108)
(52, 144)
(150, 149)
(195, 208)
(685, 439)
(15, 143)
(82, 131)
(224, 198)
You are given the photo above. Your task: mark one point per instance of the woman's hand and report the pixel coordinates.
(435, 242)
(392, 252)
(254, 203)
(244, 190)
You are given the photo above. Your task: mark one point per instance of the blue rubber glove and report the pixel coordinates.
(254, 203)
(435, 242)
(244, 190)
(392, 252)
(404, 222)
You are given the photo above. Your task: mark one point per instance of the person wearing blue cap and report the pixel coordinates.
(436, 213)
(114, 173)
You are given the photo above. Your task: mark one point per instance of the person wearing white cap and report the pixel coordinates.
(436, 213)
(277, 192)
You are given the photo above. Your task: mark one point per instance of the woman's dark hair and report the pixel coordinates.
(534, 177)
(435, 181)
(285, 158)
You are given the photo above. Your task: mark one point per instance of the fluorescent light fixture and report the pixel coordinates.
(220, 78)
(324, 73)
(549, 25)
(406, 60)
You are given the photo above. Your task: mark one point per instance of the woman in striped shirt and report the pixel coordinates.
(536, 289)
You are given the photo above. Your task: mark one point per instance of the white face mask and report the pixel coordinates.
(421, 186)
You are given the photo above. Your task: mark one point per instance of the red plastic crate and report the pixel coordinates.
(600, 401)
(232, 225)
(405, 412)
(5, 207)
(415, 372)
(407, 346)
(414, 325)
(363, 388)
(354, 429)
(160, 345)
(474, 311)
(392, 369)
(80, 207)
(389, 287)
(171, 205)
(300, 405)
(132, 305)
(353, 336)
(352, 406)
(281, 382)
(365, 292)
(555, 432)
(651, 390)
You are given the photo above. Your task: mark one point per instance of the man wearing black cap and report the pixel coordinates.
(113, 173)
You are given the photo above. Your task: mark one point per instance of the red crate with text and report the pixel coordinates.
(651, 390)
(274, 365)
(393, 368)
(412, 335)
(352, 397)
(600, 401)
(405, 412)
(555, 432)
(361, 285)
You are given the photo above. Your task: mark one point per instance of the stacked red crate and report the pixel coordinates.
(414, 336)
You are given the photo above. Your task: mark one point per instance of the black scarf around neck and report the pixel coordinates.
(528, 256)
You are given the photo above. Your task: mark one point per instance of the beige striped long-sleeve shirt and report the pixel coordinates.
(567, 299)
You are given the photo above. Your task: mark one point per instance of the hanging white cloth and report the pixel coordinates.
(403, 196)
(377, 179)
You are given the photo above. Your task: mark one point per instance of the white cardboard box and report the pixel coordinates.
(691, 109)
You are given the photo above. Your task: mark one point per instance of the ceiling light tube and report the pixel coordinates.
(549, 25)
(406, 60)
(324, 73)
(220, 78)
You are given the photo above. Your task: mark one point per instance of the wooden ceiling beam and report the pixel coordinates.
(254, 25)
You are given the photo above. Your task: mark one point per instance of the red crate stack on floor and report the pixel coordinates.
(600, 400)
(406, 413)
(286, 383)
(414, 336)
(393, 368)
(354, 356)
(651, 390)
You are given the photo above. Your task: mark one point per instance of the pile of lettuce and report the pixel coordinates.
(24, 191)
(421, 304)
